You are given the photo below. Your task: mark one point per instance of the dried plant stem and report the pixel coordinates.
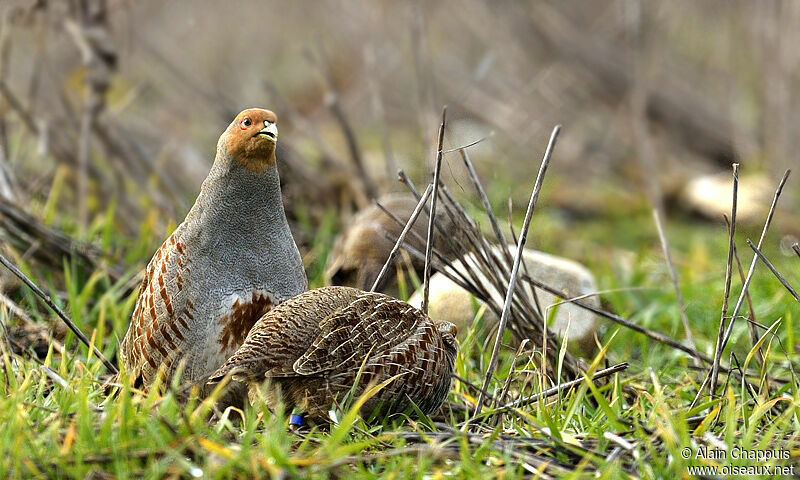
(486, 206)
(659, 337)
(674, 276)
(403, 176)
(461, 148)
(352, 144)
(78, 333)
(796, 248)
(89, 31)
(87, 121)
(722, 343)
(473, 386)
(415, 235)
(378, 109)
(498, 232)
(727, 291)
(426, 282)
(512, 282)
(773, 270)
(561, 387)
(509, 379)
(534, 294)
(409, 224)
(752, 324)
(712, 376)
(335, 106)
(410, 184)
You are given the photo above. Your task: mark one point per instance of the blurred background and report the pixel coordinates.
(110, 112)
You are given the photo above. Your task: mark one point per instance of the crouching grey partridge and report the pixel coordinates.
(362, 248)
(309, 351)
(231, 260)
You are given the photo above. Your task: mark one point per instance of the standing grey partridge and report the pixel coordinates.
(231, 260)
(310, 350)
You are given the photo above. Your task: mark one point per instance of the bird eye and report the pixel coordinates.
(246, 122)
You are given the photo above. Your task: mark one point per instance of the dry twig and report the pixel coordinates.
(561, 387)
(773, 270)
(426, 283)
(47, 300)
(723, 341)
(674, 276)
(512, 282)
(401, 238)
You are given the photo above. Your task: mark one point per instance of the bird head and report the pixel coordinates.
(251, 138)
(448, 332)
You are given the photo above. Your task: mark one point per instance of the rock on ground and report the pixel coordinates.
(449, 302)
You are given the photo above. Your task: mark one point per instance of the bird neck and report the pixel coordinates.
(240, 202)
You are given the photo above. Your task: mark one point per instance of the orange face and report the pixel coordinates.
(252, 138)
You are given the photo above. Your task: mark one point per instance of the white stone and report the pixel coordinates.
(710, 195)
(449, 302)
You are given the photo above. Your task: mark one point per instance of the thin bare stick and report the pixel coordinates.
(521, 402)
(773, 270)
(78, 333)
(498, 233)
(89, 31)
(534, 294)
(352, 144)
(402, 237)
(512, 282)
(403, 177)
(470, 144)
(796, 248)
(473, 386)
(471, 288)
(377, 107)
(674, 276)
(416, 236)
(561, 387)
(754, 335)
(486, 206)
(432, 216)
(509, 379)
(724, 341)
(712, 374)
(335, 106)
(659, 337)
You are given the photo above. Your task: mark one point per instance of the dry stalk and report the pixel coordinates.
(723, 341)
(773, 270)
(89, 31)
(426, 283)
(512, 283)
(402, 237)
(47, 300)
(560, 388)
(674, 276)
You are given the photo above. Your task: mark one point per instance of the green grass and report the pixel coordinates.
(62, 423)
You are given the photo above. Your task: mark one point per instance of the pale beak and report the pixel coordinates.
(270, 130)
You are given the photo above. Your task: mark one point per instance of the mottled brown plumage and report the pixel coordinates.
(226, 264)
(307, 352)
(360, 251)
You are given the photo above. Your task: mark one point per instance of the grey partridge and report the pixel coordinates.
(308, 353)
(360, 251)
(231, 260)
